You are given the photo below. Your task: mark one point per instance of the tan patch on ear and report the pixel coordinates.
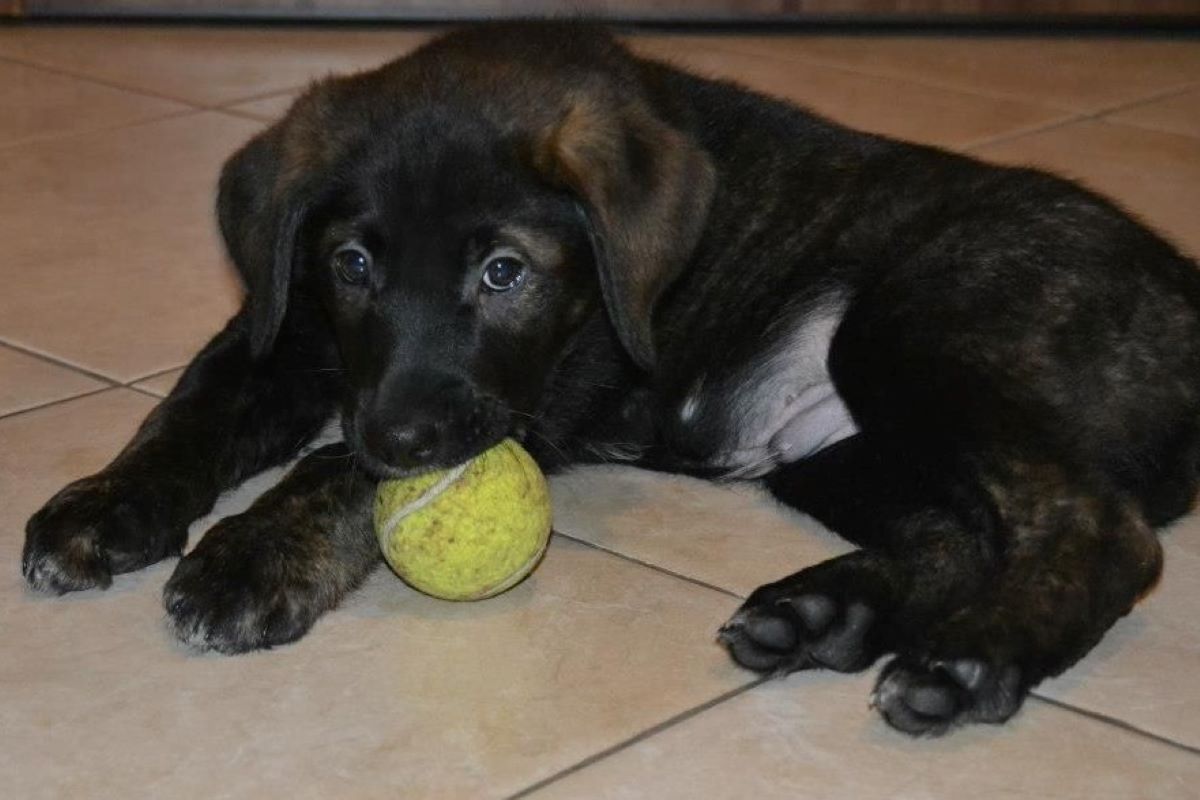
(646, 187)
(578, 148)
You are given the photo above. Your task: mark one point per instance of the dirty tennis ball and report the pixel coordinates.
(469, 532)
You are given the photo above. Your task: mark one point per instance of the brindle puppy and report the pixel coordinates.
(989, 378)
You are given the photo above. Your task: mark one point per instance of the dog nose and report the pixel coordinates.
(409, 445)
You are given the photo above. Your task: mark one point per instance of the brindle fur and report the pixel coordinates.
(1021, 359)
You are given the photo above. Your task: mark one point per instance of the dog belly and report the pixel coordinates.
(780, 409)
(815, 420)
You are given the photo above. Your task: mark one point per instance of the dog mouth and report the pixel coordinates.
(381, 470)
(451, 446)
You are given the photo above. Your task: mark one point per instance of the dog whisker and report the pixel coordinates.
(334, 458)
(549, 443)
(750, 470)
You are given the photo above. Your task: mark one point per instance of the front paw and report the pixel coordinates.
(93, 529)
(244, 587)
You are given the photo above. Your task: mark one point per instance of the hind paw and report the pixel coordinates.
(788, 633)
(928, 697)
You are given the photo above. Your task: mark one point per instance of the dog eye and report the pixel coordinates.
(352, 263)
(502, 272)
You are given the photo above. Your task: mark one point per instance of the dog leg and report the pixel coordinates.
(228, 417)
(261, 578)
(844, 613)
(925, 554)
(981, 599)
(1076, 560)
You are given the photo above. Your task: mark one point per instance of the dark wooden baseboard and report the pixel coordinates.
(985, 14)
(624, 10)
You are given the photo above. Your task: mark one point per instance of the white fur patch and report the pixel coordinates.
(786, 408)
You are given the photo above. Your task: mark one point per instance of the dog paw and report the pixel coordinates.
(928, 697)
(91, 530)
(241, 589)
(788, 633)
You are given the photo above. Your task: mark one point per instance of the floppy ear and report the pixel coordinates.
(645, 188)
(260, 218)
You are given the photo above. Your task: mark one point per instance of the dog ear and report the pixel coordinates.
(260, 213)
(645, 188)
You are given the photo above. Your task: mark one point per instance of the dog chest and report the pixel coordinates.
(778, 407)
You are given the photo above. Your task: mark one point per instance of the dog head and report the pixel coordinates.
(458, 215)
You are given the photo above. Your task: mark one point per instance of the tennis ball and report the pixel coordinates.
(469, 532)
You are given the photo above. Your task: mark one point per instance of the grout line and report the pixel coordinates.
(152, 375)
(193, 105)
(879, 72)
(639, 737)
(1118, 723)
(648, 565)
(109, 383)
(1008, 136)
(1095, 715)
(239, 114)
(1017, 133)
(266, 95)
(231, 106)
(58, 402)
(716, 701)
(145, 391)
(1072, 115)
(1108, 120)
(100, 81)
(1096, 115)
(1164, 94)
(58, 362)
(61, 135)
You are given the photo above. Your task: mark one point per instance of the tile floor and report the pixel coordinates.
(598, 677)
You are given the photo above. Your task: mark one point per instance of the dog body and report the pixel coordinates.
(989, 378)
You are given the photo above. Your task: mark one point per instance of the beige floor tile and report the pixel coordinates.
(881, 105)
(161, 384)
(738, 538)
(811, 736)
(26, 381)
(1156, 175)
(1144, 670)
(393, 695)
(38, 104)
(111, 255)
(1087, 73)
(734, 536)
(43, 450)
(1178, 114)
(267, 109)
(206, 65)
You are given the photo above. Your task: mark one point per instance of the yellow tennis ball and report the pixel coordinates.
(469, 532)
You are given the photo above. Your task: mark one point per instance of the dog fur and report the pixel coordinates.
(986, 377)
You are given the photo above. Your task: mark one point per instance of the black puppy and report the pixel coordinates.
(988, 378)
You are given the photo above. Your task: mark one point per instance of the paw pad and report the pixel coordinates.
(792, 633)
(929, 697)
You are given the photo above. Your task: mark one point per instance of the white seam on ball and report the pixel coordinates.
(425, 499)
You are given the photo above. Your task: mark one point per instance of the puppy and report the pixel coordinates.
(988, 378)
